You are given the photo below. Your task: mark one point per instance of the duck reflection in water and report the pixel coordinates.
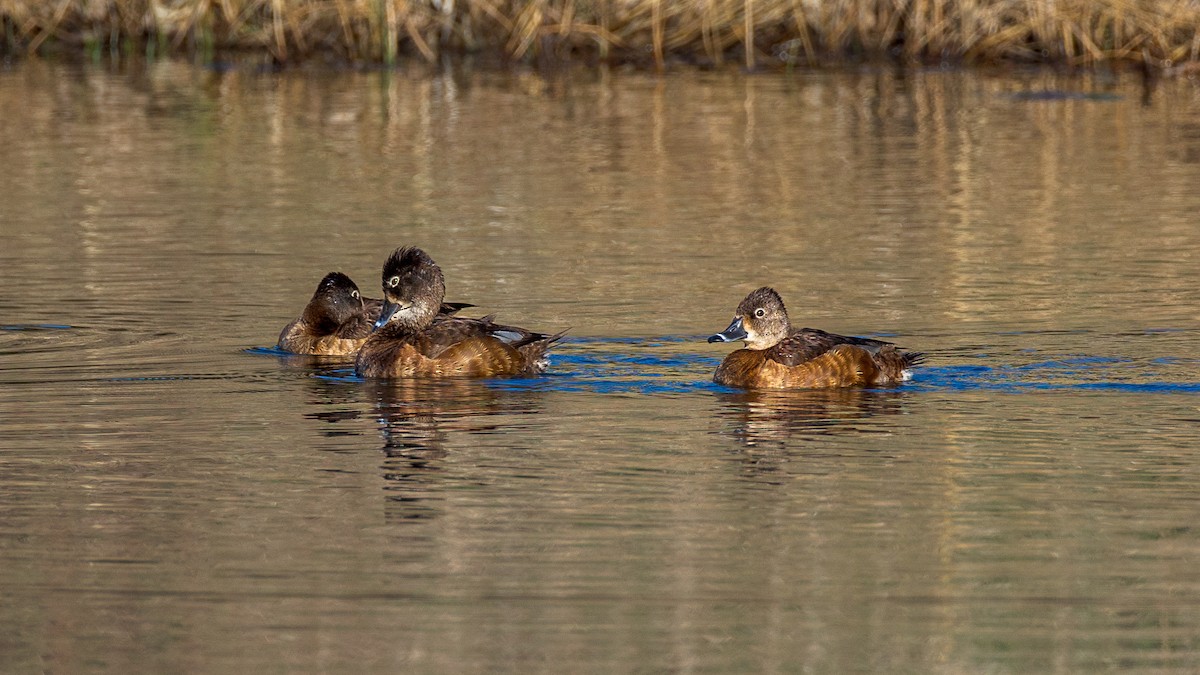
(423, 421)
(763, 418)
(332, 402)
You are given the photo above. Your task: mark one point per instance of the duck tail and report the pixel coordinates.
(535, 352)
(896, 365)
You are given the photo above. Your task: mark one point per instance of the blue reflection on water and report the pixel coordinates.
(36, 326)
(1083, 373)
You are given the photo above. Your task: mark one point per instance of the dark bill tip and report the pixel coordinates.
(734, 333)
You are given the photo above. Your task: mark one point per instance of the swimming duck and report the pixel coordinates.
(412, 340)
(778, 356)
(337, 320)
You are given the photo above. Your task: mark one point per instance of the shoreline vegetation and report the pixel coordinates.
(1155, 34)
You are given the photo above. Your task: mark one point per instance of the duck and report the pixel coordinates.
(778, 356)
(413, 340)
(338, 319)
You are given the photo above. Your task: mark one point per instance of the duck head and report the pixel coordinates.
(336, 301)
(413, 289)
(761, 321)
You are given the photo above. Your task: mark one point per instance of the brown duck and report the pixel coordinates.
(412, 339)
(778, 356)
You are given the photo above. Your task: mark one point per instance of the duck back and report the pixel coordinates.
(298, 339)
(455, 347)
(301, 337)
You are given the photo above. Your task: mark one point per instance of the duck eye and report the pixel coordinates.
(760, 312)
(394, 282)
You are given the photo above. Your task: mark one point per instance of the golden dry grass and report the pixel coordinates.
(649, 32)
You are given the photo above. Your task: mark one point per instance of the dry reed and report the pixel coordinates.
(649, 32)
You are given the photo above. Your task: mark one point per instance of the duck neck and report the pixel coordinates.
(412, 319)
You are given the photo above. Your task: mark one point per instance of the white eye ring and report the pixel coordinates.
(760, 312)
(394, 282)
(354, 294)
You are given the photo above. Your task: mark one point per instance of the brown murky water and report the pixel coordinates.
(175, 497)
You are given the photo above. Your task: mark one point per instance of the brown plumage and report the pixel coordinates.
(412, 340)
(337, 320)
(778, 356)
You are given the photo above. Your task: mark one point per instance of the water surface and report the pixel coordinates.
(177, 497)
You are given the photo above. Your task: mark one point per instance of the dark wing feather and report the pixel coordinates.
(819, 339)
(807, 344)
(445, 332)
(513, 336)
(795, 351)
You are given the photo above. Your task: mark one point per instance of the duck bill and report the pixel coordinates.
(385, 314)
(735, 332)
